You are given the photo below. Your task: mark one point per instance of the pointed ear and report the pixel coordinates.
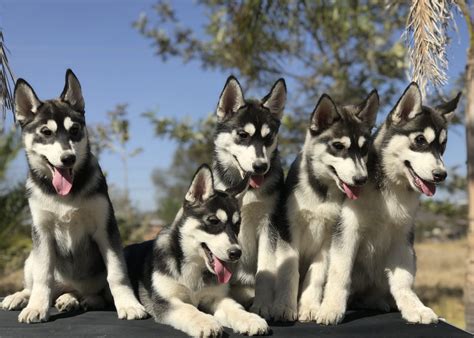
(72, 92)
(408, 106)
(324, 114)
(276, 99)
(369, 108)
(26, 102)
(202, 185)
(231, 99)
(447, 109)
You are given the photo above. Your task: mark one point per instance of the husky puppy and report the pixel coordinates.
(372, 256)
(76, 242)
(188, 266)
(246, 142)
(330, 168)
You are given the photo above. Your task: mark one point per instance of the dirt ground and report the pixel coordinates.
(440, 278)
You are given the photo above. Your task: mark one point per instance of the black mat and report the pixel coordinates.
(106, 324)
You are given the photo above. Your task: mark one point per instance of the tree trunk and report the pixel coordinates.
(469, 286)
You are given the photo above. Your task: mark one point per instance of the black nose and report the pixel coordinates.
(359, 180)
(260, 167)
(439, 175)
(68, 160)
(234, 254)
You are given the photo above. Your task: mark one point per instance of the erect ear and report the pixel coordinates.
(231, 99)
(447, 109)
(275, 100)
(26, 102)
(369, 108)
(324, 114)
(202, 185)
(408, 106)
(72, 92)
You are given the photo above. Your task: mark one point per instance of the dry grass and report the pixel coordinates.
(440, 278)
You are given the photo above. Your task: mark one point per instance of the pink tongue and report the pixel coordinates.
(256, 181)
(428, 188)
(351, 192)
(222, 272)
(62, 181)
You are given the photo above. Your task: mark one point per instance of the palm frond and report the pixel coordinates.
(6, 81)
(427, 38)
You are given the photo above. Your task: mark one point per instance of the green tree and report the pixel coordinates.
(343, 48)
(114, 136)
(6, 79)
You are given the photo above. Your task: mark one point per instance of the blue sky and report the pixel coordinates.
(115, 64)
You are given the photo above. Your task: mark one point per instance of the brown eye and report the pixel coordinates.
(420, 140)
(243, 135)
(74, 130)
(338, 145)
(46, 132)
(213, 220)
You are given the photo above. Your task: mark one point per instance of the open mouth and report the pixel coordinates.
(351, 191)
(255, 181)
(217, 266)
(62, 179)
(426, 187)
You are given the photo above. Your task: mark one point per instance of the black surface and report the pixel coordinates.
(106, 324)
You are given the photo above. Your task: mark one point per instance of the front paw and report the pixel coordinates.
(32, 315)
(16, 301)
(420, 314)
(308, 313)
(284, 313)
(66, 302)
(204, 326)
(132, 312)
(250, 324)
(330, 314)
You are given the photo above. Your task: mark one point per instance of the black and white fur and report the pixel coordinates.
(246, 142)
(331, 164)
(174, 274)
(372, 259)
(76, 243)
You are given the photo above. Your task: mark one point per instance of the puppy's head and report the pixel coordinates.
(413, 140)
(338, 139)
(54, 132)
(212, 223)
(246, 134)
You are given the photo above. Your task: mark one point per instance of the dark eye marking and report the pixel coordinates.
(46, 131)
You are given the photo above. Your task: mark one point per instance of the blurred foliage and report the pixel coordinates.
(14, 230)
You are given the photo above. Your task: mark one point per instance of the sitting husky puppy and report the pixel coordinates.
(188, 266)
(372, 256)
(76, 242)
(246, 143)
(331, 167)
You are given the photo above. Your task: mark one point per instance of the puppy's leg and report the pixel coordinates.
(313, 284)
(401, 271)
(42, 267)
(342, 254)
(265, 277)
(242, 294)
(19, 300)
(125, 301)
(231, 314)
(67, 302)
(287, 280)
(189, 319)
